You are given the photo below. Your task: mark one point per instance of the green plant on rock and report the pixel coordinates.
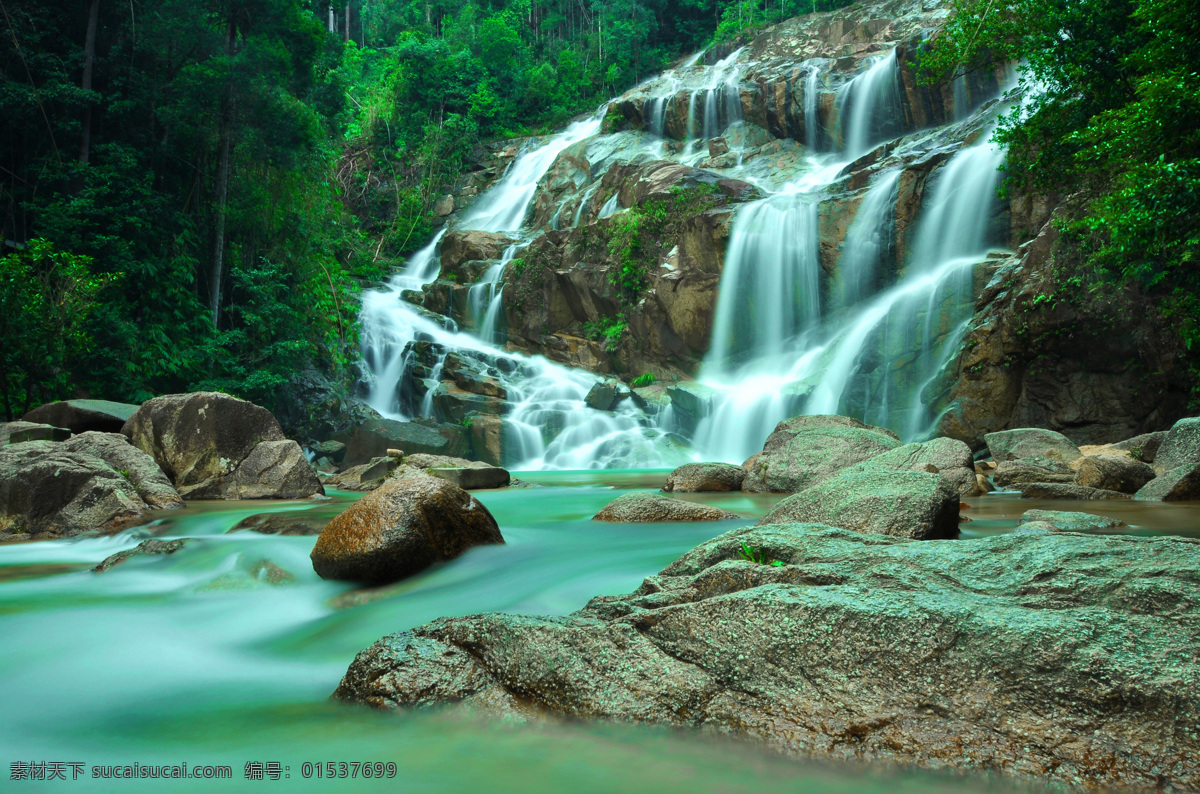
(646, 379)
(607, 330)
(760, 557)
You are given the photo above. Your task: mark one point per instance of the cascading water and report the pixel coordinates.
(787, 337)
(867, 240)
(869, 109)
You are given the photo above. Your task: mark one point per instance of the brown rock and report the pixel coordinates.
(644, 507)
(1114, 473)
(699, 477)
(274, 470)
(401, 529)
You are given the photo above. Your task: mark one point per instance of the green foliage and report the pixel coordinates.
(748, 554)
(607, 330)
(634, 236)
(46, 298)
(1112, 120)
(645, 379)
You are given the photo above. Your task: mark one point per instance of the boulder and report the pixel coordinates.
(145, 548)
(1181, 447)
(945, 456)
(370, 475)
(1143, 447)
(1180, 484)
(274, 470)
(49, 492)
(807, 450)
(645, 507)
(334, 450)
(488, 437)
(471, 478)
(467, 245)
(901, 504)
(400, 529)
(1061, 490)
(1018, 654)
(131, 463)
(699, 477)
(606, 395)
(1026, 470)
(199, 439)
(373, 437)
(1031, 442)
(286, 523)
(1064, 521)
(80, 416)
(19, 432)
(1114, 473)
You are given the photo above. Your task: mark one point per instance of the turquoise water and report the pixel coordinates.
(196, 658)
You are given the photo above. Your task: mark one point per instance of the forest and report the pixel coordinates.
(193, 192)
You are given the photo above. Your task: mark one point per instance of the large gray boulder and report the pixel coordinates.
(80, 416)
(806, 450)
(131, 463)
(1181, 447)
(1018, 472)
(374, 436)
(1114, 473)
(1180, 484)
(400, 529)
(702, 477)
(48, 492)
(646, 507)
(1031, 442)
(1062, 659)
(902, 504)
(200, 440)
(1143, 447)
(948, 457)
(274, 470)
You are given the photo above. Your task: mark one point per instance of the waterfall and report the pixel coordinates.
(869, 109)
(610, 206)
(483, 298)
(813, 132)
(503, 207)
(867, 239)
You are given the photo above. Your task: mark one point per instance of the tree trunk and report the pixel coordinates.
(216, 271)
(347, 23)
(89, 59)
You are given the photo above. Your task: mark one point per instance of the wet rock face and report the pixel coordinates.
(699, 477)
(878, 650)
(901, 504)
(806, 450)
(1070, 365)
(199, 439)
(650, 508)
(400, 529)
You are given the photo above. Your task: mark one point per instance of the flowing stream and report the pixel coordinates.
(198, 657)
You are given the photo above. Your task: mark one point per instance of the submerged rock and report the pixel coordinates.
(400, 529)
(647, 507)
(146, 547)
(807, 450)
(700, 477)
(80, 416)
(1016, 653)
(1065, 521)
(1059, 490)
(1031, 442)
(902, 504)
